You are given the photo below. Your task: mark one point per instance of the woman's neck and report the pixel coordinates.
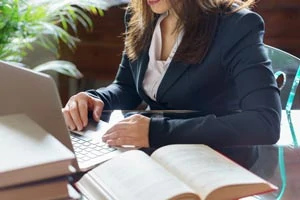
(169, 35)
(169, 23)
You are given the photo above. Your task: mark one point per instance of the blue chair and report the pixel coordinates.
(286, 69)
(287, 73)
(285, 65)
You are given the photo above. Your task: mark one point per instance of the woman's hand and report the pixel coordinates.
(133, 130)
(76, 110)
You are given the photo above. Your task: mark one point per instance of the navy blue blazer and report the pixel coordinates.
(232, 89)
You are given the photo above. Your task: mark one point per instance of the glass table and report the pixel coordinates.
(278, 164)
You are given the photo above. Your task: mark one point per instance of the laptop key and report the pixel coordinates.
(87, 150)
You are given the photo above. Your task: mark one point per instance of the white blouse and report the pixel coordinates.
(156, 67)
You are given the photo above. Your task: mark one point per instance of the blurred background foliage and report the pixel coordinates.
(46, 23)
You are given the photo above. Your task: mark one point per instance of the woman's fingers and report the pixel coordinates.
(83, 111)
(75, 114)
(97, 107)
(76, 110)
(131, 131)
(68, 120)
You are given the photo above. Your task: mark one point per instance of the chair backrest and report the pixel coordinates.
(285, 67)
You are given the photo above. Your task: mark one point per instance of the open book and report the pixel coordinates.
(172, 172)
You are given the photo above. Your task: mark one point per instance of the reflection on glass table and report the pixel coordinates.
(290, 135)
(284, 173)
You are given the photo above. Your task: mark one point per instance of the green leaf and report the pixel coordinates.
(63, 22)
(60, 66)
(45, 22)
(84, 19)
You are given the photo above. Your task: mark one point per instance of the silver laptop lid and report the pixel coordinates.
(35, 94)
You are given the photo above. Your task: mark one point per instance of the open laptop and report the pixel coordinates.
(35, 94)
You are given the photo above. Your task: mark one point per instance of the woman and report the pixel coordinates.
(201, 55)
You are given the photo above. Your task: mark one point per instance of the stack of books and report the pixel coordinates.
(34, 164)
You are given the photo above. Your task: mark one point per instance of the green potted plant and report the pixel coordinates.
(27, 23)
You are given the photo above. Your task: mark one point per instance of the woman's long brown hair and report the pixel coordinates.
(199, 19)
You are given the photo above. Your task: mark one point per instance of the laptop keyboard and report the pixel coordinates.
(86, 150)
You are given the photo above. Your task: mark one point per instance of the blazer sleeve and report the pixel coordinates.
(122, 93)
(246, 63)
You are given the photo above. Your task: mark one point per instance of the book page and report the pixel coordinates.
(205, 170)
(133, 175)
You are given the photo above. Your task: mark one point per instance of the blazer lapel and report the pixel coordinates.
(174, 71)
(142, 65)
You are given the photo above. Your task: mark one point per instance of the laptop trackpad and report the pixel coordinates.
(94, 130)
